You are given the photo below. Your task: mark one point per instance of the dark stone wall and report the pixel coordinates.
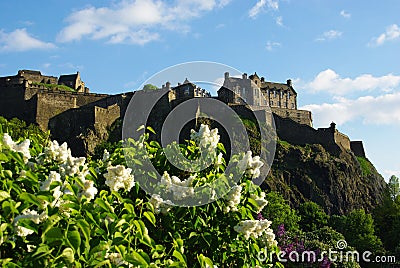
(52, 104)
(358, 148)
(299, 116)
(13, 104)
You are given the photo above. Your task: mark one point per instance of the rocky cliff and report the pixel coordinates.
(339, 181)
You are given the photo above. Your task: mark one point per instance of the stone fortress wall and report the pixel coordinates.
(72, 114)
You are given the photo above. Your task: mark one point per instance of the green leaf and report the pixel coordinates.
(151, 129)
(4, 195)
(205, 261)
(3, 157)
(150, 216)
(136, 259)
(68, 255)
(53, 234)
(74, 239)
(42, 251)
(179, 256)
(104, 205)
(253, 202)
(30, 198)
(85, 228)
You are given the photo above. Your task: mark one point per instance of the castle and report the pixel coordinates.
(66, 107)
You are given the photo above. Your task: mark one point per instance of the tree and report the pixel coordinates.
(279, 212)
(313, 217)
(394, 187)
(150, 87)
(387, 219)
(360, 232)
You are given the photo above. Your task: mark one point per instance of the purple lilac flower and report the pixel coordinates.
(281, 230)
(325, 263)
(260, 217)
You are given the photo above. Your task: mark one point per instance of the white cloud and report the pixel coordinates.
(279, 21)
(331, 82)
(381, 110)
(271, 45)
(21, 40)
(329, 35)
(392, 33)
(345, 14)
(135, 21)
(260, 6)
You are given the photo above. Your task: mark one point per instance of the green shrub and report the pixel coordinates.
(61, 211)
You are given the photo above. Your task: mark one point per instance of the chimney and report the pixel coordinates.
(262, 79)
(289, 82)
(244, 76)
(168, 85)
(226, 75)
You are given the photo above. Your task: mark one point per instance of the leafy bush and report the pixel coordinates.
(313, 216)
(54, 86)
(366, 166)
(62, 211)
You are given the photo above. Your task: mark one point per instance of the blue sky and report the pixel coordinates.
(343, 56)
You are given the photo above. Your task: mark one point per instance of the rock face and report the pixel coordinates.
(335, 180)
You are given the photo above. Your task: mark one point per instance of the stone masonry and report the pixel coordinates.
(82, 118)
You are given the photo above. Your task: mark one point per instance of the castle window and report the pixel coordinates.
(281, 94)
(292, 105)
(274, 93)
(186, 92)
(243, 92)
(272, 103)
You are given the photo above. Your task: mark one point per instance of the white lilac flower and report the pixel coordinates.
(254, 228)
(22, 147)
(31, 215)
(180, 189)
(160, 205)
(205, 138)
(233, 198)
(106, 155)
(72, 166)
(119, 177)
(260, 200)
(7, 140)
(53, 177)
(251, 165)
(115, 258)
(31, 248)
(89, 191)
(218, 159)
(22, 231)
(56, 152)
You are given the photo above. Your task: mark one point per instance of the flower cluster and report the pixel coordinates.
(260, 200)
(205, 138)
(179, 189)
(22, 147)
(56, 152)
(116, 259)
(30, 215)
(160, 205)
(251, 165)
(69, 166)
(256, 229)
(118, 177)
(233, 199)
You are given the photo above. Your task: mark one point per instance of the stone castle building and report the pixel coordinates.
(65, 106)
